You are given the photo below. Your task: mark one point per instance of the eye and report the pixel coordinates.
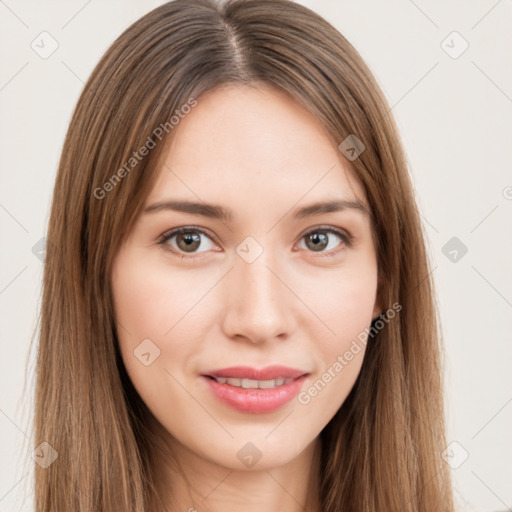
(187, 240)
(322, 240)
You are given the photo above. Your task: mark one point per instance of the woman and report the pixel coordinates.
(237, 307)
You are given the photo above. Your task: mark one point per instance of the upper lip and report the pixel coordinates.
(267, 373)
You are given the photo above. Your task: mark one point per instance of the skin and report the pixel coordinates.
(259, 153)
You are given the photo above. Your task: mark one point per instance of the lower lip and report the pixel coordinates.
(256, 401)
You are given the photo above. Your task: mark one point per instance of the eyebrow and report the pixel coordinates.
(218, 212)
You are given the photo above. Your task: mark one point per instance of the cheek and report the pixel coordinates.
(349, 307)
(345, 307)
(152, 309)
(148, 305)
(342, 302)
(149, 300)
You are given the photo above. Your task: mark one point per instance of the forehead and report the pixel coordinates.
(257, 142)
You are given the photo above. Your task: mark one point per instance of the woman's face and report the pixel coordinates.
(269, 284)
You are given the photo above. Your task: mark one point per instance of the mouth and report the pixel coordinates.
(254, 396)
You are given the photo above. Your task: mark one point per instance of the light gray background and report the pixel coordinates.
(454, 115)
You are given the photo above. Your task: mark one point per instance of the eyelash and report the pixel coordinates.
(163, 239)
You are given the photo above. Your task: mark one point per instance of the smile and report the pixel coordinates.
(254, 396)
(253, 384)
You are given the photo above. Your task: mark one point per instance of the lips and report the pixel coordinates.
(253, 390)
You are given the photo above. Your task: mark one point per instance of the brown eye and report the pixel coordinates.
(185, 241)
(321, 239)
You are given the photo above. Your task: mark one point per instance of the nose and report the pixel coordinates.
(259, 306)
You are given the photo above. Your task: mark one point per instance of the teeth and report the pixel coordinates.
(249, 384)
(253, 384)
(267, 384)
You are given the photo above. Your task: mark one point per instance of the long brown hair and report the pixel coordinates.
(382, 449)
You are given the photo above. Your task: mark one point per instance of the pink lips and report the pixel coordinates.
(256, 400)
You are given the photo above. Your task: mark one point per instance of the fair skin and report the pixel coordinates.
(261, 155)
